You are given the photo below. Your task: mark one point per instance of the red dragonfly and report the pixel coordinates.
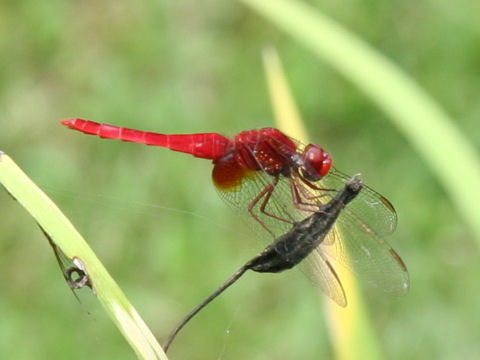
(280, 182)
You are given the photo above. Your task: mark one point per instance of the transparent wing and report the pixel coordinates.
(322, 273)
(355, 242)
(280, 204)
(369, 206)
(361, 250)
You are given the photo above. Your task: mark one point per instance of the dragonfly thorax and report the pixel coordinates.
(266, 149)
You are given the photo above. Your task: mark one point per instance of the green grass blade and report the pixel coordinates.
(66, 238)
(350, 327)
(450, 155)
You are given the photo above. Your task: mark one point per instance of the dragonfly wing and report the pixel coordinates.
(321, 272)
(361, 250)
(353, 243)
(280, 205)
(371, 207)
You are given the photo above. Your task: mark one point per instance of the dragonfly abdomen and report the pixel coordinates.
(207, 145)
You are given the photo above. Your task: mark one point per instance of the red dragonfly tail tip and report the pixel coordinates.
(67, 122)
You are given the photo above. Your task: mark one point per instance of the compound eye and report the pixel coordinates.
(316, 162)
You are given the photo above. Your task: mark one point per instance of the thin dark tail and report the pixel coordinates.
(204, 303)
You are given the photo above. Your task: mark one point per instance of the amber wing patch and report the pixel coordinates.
(228, 175)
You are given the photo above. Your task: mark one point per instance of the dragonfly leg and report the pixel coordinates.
(265, 202)
(308, 195)
(298, 201)
(304, 199)
(266, 193)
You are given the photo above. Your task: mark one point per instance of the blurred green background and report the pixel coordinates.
(153, 216)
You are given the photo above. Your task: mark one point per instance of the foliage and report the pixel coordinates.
(153, 217)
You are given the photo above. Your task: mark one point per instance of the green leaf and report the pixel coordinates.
(66, 238)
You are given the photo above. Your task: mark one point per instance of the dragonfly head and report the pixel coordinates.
(316, 162)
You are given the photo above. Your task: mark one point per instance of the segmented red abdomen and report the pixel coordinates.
(266, 149)
(207, 145)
